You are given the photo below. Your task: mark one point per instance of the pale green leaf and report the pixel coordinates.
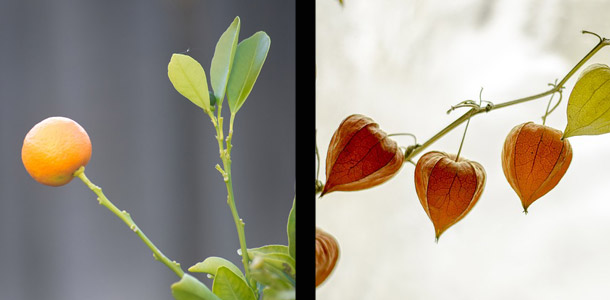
(589, 103)
(222, 61)
(292, 245)
(283, 262)
(189, 288)
(188, 78)
(283, 249)
(229, 286)
(272, 272)
(249, 58)
(211, 264)
(273, 294)
(276, 256)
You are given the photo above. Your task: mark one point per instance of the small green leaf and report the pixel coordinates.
(589, 103)
(249, 58)
(189, 288)
(211, 264)
(270, 272)
(282, 262)
(229, 286)
(282, 249)
(188, 78)
(292, 245)
(273, 294)
(222, 62)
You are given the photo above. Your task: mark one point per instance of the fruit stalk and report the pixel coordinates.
(123, 215)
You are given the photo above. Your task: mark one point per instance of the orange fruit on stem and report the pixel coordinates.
(327, 254)
(360, 156)
(447, 189)
(54, 149)
(534, 159)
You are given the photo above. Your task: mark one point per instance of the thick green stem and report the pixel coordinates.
(123, 215)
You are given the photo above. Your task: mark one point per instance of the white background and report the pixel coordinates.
(404, 63)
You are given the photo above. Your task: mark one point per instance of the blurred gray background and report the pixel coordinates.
(404, 63)
(104, 64)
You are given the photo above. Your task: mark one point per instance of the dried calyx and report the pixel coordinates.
(447, 189)
(534, 159)
(360, 156)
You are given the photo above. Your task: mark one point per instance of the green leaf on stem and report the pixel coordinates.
(189, 288)
(273, 294)
(589, 103)
(229, 286)
(276, 256)
(267, 249)
(211, 264)
(272, 272)
(292, 245)
(222, 61)
(249, 59)
(281, 261)
(188, 78)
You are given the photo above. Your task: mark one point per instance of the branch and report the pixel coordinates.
(477, 109)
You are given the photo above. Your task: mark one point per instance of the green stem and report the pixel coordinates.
(225, 156)
(457, 156)
(477, 110)
(123, 215)
(546, 112)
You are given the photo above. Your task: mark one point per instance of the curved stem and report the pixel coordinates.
(123, 215)
(403, 134)
(546, 112)
(478, 109)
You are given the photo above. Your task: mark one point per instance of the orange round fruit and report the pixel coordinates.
(54, 149)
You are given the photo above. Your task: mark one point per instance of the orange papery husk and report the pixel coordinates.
(447, 189)
(360, 156)
(327, 254)
(534, 159)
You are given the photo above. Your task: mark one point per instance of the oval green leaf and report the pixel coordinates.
(229, 286)
(269, 272)
(188, 78)
(211, 264)
(222, 61)
(291, 228)
(282, 262)
(249, 59)
(589, 103)
(189, 288)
